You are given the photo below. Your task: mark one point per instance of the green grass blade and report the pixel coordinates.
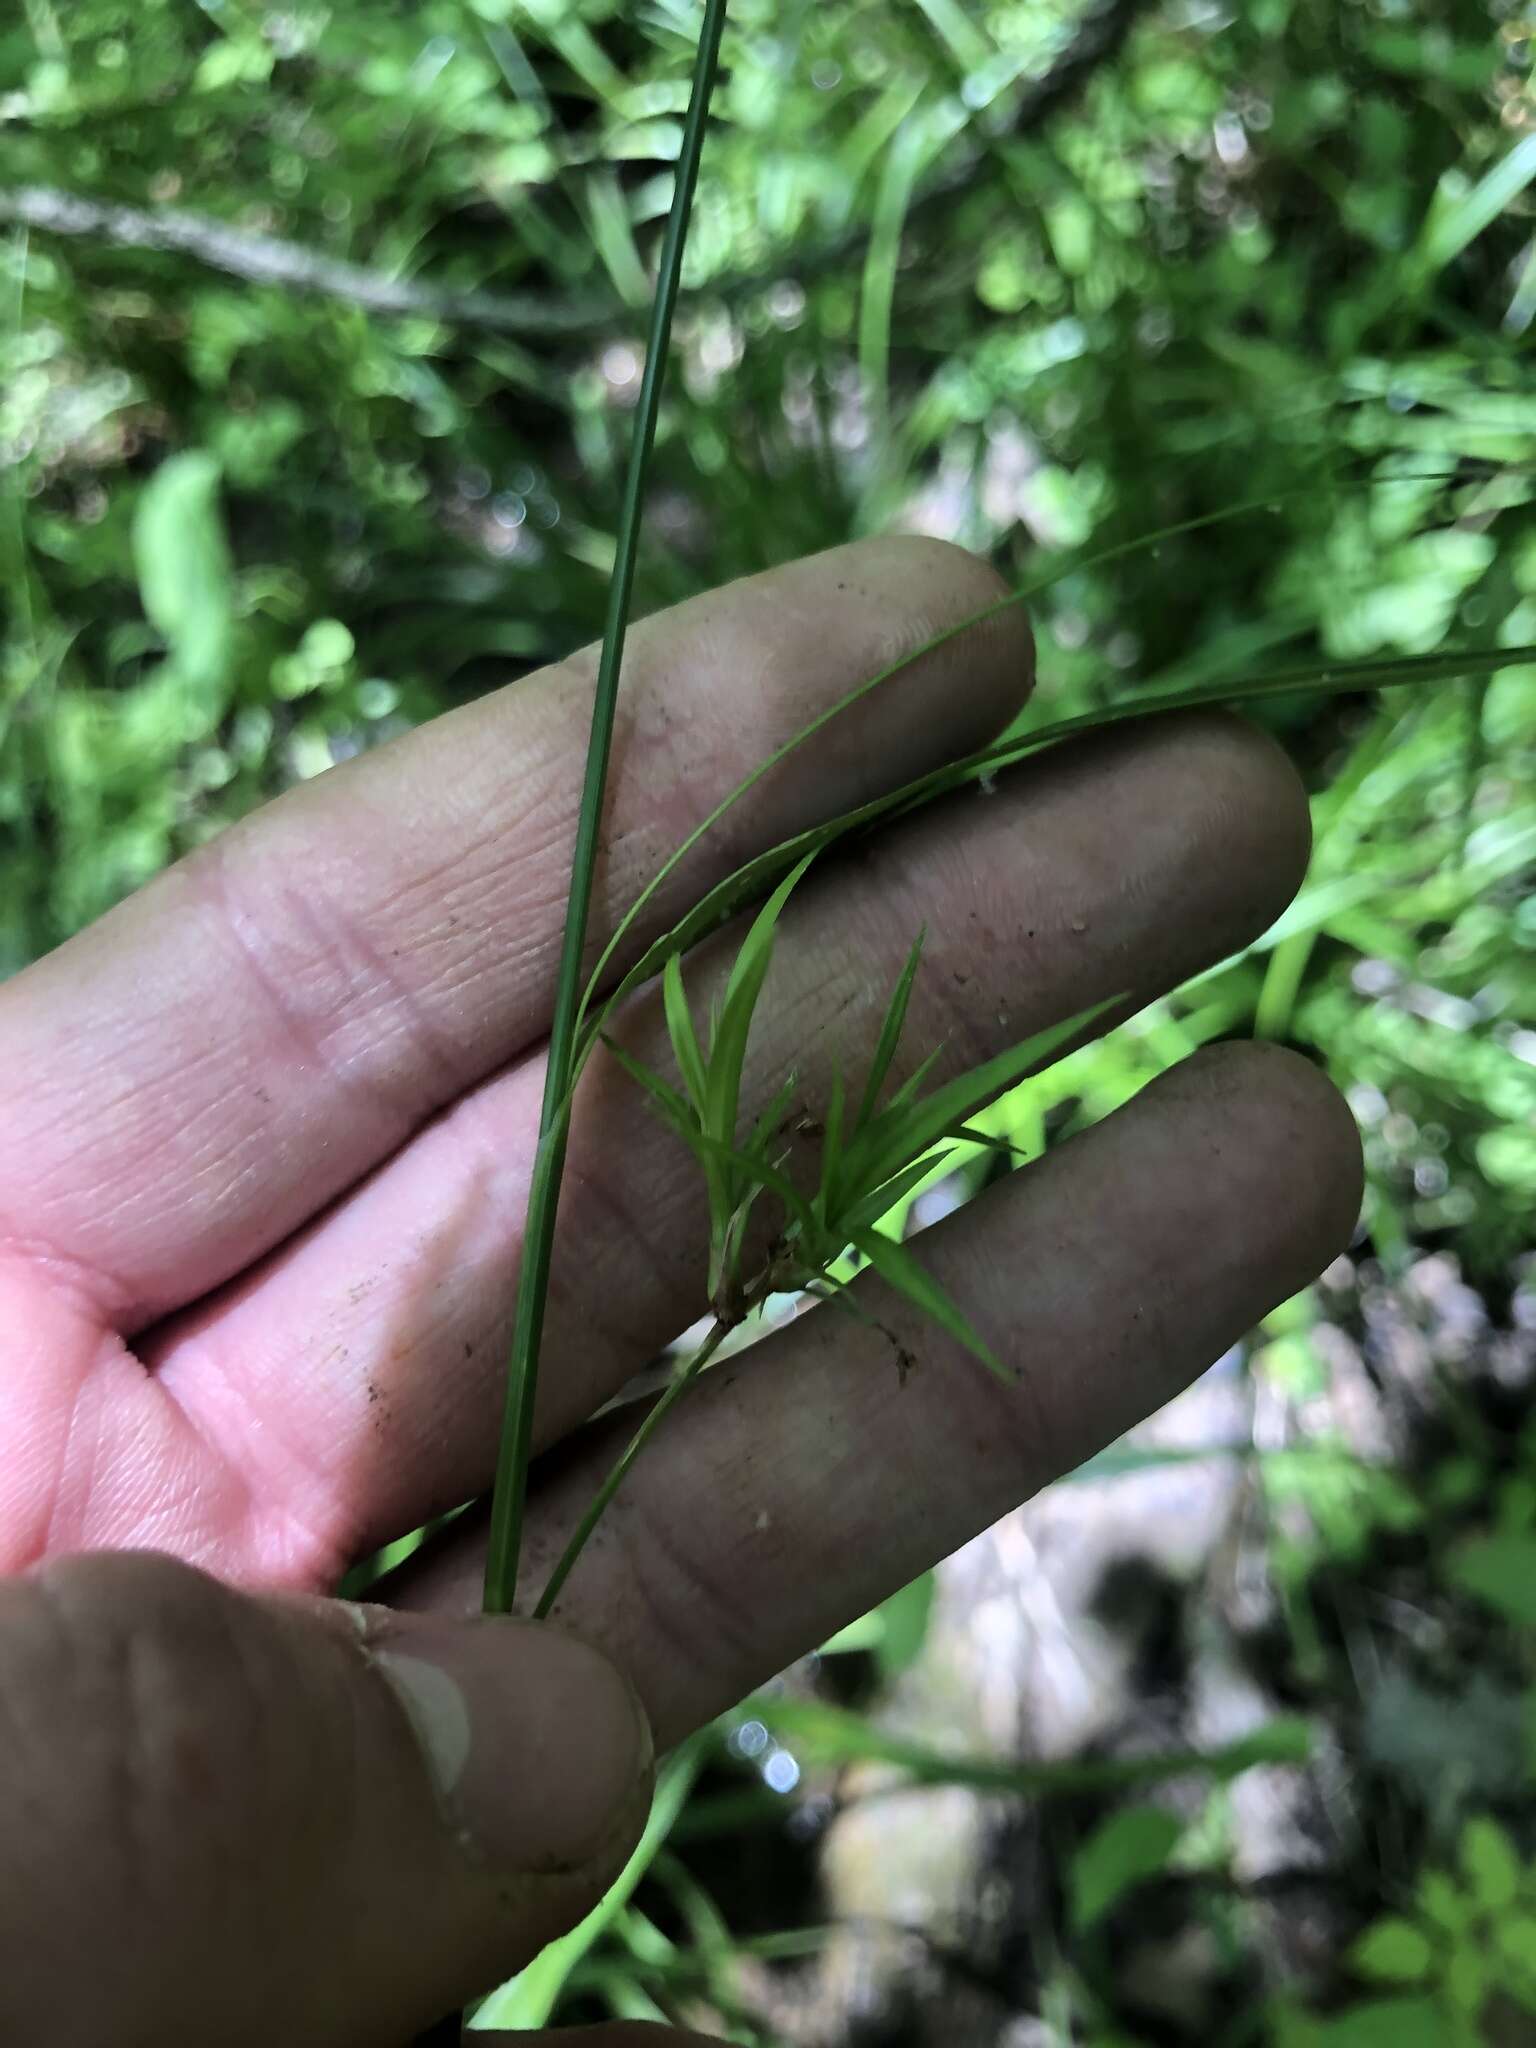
(728, 1047)
(912, 1087)
(598, 1506)
(904, 1132)
(516, 1449)
(685, 1040)
(770, 1124)
(897, 1267)
(731, 889)
(748, 882)
(881, 1200)
(829, 1735)
(532, 1996)
(890, 1034)
(832, 1148)
(665, 1100)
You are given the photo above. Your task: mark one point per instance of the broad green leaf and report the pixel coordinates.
(1384, 2023)
(1489, 1863)
(1393, 1952)
(1121, 1853)
(1443, 1904)
(186, 580)
(897, 1267)
(1516, 1933)
(905, 1617)
(1500, 1570)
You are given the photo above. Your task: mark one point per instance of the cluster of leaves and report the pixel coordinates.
(1464, 1949)
(1261, 254)
(871, 1155)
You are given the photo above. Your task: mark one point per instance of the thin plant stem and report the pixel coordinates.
(509, 1499)
(598, 1505)
(1017, 596)
(1001, 752)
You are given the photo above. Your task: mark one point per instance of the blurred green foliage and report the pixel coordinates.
(1042, 279)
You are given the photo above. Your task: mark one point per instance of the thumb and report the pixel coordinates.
(254, 1820)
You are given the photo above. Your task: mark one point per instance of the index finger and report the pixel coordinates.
(184, 1084)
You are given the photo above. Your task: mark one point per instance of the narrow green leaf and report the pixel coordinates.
(771, 1122)
(881, 1200)
(903, 165)
(530, 1998)
(736, 890)
(904, 1132)
(728, 1047)
(744, 1166)
(969, 1134)
(897, 1267)
(1121, 1853)
(685, 1040)
(912, 1087)
(732, 1179)
(567, 1049)
(666, 1101)
(832, 1149)
(890, 1034)
(1456, 219)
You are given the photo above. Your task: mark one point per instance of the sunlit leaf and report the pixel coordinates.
(1393, 1952)
(1121, 1853)
(186, 579)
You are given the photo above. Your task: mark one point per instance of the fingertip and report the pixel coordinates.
(945, 585)
(935, 590)
(1247, 805)
(1296, 1144)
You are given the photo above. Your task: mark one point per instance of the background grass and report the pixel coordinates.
(319, 339)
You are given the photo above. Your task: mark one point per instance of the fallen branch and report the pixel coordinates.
(266, 259)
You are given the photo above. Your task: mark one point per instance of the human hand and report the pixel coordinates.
(269, 1130)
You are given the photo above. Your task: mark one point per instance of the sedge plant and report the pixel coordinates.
(874, 1151)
